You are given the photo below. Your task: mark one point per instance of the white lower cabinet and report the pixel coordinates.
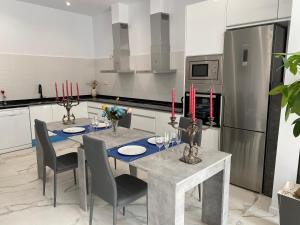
(15, 129)
(162, 120)
(40, 112)
(143, 120)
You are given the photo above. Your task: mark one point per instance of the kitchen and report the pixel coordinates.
(138, 51)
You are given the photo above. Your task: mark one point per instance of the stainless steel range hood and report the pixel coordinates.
(160, 43)
(121, 48)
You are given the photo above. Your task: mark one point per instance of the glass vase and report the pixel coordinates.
(114, 124)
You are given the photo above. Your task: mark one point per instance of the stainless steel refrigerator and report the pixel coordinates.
(250, 116)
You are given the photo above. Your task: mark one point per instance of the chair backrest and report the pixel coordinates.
(184, 122)
(49, 155)
(103, 181)
(125, 121)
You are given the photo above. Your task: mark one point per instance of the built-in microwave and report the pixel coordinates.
(204, 70)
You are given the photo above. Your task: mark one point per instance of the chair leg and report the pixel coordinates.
(87, 178)
(115, 163)
(75, 181)
(91, 209)
(44, 180)
(124, 211)
(55, 188)
(199, 192)
(115, 216)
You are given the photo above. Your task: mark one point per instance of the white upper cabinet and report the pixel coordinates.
(205, 27)
(247, 12)
(285, 9)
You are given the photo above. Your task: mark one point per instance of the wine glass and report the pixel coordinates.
(173, 138)
(159, 141)
(167, 140)
(178, 137)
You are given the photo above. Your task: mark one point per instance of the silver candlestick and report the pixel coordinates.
(68, 103)
(190, 153)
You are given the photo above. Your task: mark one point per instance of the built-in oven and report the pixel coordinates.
(203, 71)
(202, 107)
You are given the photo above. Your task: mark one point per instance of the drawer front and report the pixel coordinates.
(144, 123)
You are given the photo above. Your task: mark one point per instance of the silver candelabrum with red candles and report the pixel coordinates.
(68, 101)
(190, 153)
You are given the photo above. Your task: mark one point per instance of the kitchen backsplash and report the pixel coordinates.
(20, 75)
(143, 84)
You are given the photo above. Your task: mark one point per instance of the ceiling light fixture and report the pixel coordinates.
(68, 3)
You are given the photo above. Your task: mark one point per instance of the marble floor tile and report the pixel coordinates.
(22, 202)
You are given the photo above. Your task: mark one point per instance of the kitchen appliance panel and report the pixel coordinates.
(247, 149)
(247, 63)
(202, 107)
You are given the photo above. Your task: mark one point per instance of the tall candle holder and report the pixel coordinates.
(190, 153)
(68, 103)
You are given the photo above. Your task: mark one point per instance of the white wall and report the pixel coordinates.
(288, 146)
(139, 28)
(205, 27)
(35, 30)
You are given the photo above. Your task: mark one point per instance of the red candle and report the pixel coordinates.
(173, 103)
(192, 100)
(71, 89)
(211, 102)
(56, 90)
(67, 88)
(63, 90)
(77, 91)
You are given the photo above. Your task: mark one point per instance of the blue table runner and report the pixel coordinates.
(150, 149)
(88, 129)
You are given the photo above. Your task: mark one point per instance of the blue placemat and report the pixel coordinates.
(88, 129)
(151, 149)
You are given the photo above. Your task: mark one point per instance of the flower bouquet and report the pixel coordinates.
(114, 114)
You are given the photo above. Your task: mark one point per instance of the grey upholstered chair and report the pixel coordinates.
(124, 122)
(184, 122)
(58, 164)
(119, 191)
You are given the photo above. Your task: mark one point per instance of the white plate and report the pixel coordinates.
(74, 130)
(132, 150)
(101, 125)
(151, 141)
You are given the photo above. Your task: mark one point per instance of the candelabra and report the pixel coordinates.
(190, 153)
(68, 103)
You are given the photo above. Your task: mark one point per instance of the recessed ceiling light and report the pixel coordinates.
(68, 3)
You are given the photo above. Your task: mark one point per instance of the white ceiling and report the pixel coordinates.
(87, 7)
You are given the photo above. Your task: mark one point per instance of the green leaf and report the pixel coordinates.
(277, 90)
(296, 129)
(287, 112)
(294, 69)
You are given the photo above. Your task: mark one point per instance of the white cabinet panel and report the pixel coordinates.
(80, 111)
(15, 129)
(162, 120)
(243, 12)
(205, 27)
(58, 112)
(285, 9)
(211, 139)
(140, 122)
(41, 112)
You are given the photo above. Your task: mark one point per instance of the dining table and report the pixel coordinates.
(168, 178)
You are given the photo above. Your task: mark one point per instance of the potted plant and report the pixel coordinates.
(289, 196)
(93, 84)
(3, 97)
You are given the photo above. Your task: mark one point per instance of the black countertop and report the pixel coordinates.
(130, 102)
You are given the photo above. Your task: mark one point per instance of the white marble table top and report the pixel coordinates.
(166, 164)
(60, 126)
